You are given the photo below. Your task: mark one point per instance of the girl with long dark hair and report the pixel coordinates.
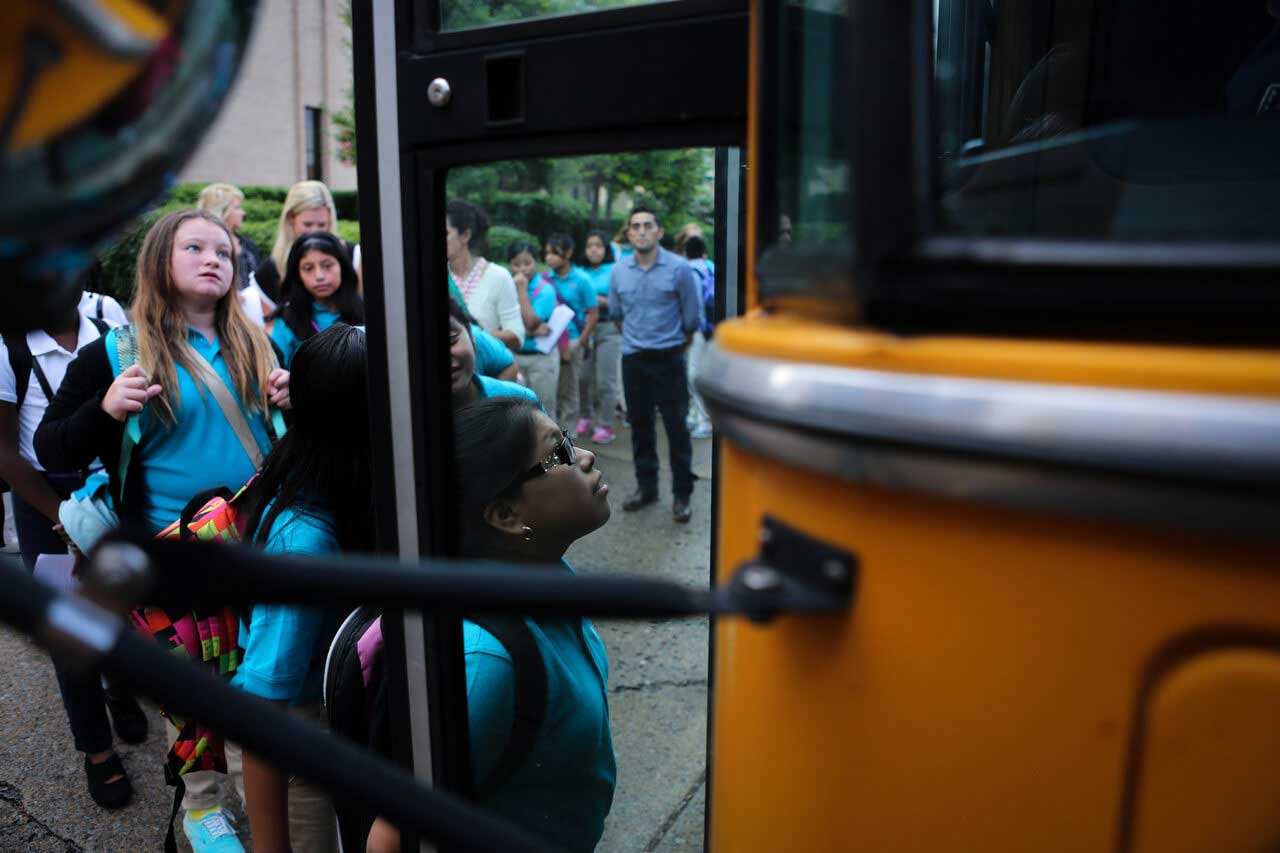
(314, 495)
(322, 289)
(525, 493)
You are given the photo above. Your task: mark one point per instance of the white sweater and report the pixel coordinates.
(493, 302)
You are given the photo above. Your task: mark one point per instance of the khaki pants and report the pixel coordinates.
(567, 402)
(542, 374)
(313, 826)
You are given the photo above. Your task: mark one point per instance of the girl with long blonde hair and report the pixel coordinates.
(308, 207)
(200, 378)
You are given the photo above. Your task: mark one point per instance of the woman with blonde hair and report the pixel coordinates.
(225, 201)
(199, 376)
(308, 207)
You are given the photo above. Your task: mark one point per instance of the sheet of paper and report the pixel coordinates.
(559, 321)
(55, 570)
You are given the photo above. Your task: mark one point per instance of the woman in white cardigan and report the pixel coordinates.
(486, 288)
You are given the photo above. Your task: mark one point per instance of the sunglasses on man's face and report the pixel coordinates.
(564, 453)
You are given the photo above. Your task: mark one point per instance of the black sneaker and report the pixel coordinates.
(110, 795)
(129, 719)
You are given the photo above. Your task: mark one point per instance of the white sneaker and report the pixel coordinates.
(702, 430)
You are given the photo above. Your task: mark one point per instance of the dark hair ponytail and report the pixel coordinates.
(322, 464)
(346, 299)
(492, 442)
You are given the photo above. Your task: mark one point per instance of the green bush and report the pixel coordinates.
(541, 214)
(262, 232)
(502, 236)
(348, 230)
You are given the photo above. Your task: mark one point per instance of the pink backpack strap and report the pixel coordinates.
(369, 648)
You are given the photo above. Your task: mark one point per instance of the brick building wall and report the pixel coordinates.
(297, 58)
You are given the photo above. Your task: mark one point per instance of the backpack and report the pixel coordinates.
(23, 363)
(356, 702)
(210, 638)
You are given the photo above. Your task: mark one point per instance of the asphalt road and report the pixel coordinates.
(657, 684)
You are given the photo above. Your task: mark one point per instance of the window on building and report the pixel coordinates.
(314, 128)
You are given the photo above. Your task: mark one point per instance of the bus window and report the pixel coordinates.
(550, 233)
(468, 14)
(806, 210)
(1126, 119)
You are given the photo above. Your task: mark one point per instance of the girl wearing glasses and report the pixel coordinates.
(525, 494)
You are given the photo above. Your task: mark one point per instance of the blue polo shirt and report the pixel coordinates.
(600, 277)
(543, 303)
(492, 355)
(321, 317)
(564, 789)
(200, 451)
(286, 646)
(578, 293)
(659, 306)
(490, 387)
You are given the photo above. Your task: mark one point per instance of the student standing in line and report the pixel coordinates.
(574, 289)
(599, 385)
(487, 289)
(654, 295)
(32, 366)
(525, 494)
(468, 385)
(323, 289)
(189, 331)
(541, 369)
(308, 207)
(695, 250)
(313, 496)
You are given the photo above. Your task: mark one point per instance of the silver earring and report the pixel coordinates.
(528, 533)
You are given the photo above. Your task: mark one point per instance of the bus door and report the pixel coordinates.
(550, 117)
(1013, 345)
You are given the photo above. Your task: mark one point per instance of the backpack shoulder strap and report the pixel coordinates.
(126, 341)
(99, 323)
(20, 361)
(530, 705)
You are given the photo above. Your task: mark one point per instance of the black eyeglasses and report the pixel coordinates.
(564, 453)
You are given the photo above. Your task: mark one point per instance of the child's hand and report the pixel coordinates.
(129, 393)
(278, 389)
(543, 329)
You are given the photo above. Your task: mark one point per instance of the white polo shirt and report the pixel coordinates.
(53, 360)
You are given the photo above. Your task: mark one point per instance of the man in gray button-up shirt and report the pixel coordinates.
(656, 299)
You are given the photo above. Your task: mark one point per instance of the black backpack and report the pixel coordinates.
(356, 703)
(23, 363)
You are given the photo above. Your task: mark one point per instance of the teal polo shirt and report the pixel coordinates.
(564, 788)
(490, 387)
(286, 644)
(492, 355)
(543, 303)
(576, 291)
(321, 319)
(200, 451)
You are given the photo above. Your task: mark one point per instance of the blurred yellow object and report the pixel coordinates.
(72, 74)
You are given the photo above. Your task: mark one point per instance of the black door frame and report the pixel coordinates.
(406, 147)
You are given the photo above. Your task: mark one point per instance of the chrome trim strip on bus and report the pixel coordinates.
(862, 422)
(397, 318)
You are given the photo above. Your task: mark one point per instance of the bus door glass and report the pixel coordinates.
(555, 225)
(502, 159)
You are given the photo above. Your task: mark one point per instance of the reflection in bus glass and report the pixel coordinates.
(469, 14)
(1132, 119)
